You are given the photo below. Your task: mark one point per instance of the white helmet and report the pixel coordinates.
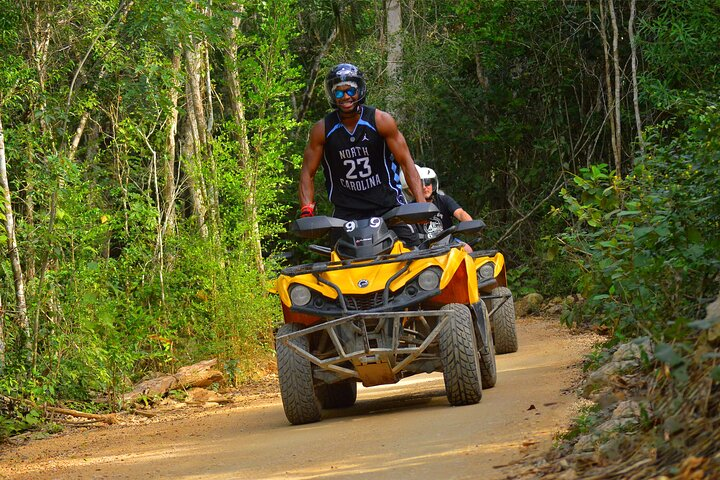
(426, 175)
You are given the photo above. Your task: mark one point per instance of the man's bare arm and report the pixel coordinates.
(462, 215)
(398, 146)
(311, 162)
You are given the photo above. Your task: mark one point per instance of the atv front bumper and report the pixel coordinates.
(373, 347)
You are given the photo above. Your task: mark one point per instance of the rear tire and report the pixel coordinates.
(337, 395)
(459, 357)
(296, 379)
(503, 323)
(488, 367)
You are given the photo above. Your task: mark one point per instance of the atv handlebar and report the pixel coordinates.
(315, 227)
(470, 226)
(410, 213)
(438, 238)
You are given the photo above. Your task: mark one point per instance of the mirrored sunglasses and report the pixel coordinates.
(341, 93)
(427, 181)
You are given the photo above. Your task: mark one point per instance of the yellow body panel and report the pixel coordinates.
(499, 260)
(378, 274)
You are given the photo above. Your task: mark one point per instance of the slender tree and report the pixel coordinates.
(394, 47)
(634, 69)
(610, 92)
(394, 50)
(170, 190)
(21, 315)
(616, 97)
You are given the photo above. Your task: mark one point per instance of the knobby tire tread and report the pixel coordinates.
(296, 380)
(459, 356)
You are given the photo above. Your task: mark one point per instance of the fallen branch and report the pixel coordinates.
(109, 419)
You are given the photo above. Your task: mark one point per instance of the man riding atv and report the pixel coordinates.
(362, 152)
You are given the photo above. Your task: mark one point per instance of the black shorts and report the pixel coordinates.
(405, 232)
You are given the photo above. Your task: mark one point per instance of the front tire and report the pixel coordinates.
(503, 322)
(459, 357)
(296, 379)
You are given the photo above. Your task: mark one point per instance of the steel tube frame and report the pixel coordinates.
(343, 356)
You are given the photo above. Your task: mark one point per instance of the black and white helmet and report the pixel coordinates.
(345, 74)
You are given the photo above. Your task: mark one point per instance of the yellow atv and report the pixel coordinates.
(492, 284)
(377, 312)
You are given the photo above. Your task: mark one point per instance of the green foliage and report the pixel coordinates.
(113, 291)
(679, 42)
(19, 415)
(647, 244)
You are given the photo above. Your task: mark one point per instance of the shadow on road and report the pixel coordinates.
(407, 401)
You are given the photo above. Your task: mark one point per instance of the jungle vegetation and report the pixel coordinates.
(149, 152)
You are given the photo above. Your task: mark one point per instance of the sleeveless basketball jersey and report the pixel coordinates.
(360, 171)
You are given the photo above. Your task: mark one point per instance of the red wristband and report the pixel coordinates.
(307, 210)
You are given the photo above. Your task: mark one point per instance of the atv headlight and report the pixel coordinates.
(300, 295)
(429, 279)
(487, 271)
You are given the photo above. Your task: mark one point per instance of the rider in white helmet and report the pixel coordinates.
(447, 206)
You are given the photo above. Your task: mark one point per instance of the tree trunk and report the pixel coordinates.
(29, 215)
(39, 35)
(252, 210)
(212, 185)
(394, 56)
(193, 68)
(120, 167)
(169, 188)
(2, 336)
(238, 108)
(201, 374)
(21, 307)
(78, 135)
(633, 51)
(196, 123)
(394, 26)
(159, 238)
(39, 31)
(616, 67)
(484, 83)
(480, 72)
(610, 108)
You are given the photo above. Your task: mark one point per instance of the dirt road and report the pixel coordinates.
(401, 431)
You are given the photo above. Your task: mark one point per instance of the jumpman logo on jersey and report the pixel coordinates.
(365, 138)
